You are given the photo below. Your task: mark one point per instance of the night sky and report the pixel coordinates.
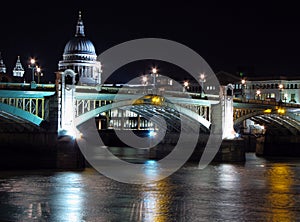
(254, 38)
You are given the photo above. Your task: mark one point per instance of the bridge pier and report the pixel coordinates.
(279, 145)
(68, 154)
(41, 150)
(28, 150)
(231, 151)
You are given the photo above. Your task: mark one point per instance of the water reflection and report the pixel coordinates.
(38, 210)
(151, 170)
(280, 196)
(68, 202)
(154, 203)
(220, 192)
(228, 176)
(154, 200)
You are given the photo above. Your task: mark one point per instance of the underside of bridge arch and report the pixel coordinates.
(177, 118)
(10, 123)
(21, 114)
(275, 124)
(173, 118)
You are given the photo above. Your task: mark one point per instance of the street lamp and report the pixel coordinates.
(32, 66)
(258, 92)
(154, 73)
(280, 90)
(243, 89)
(185, 85)
(144, 81)
(38, 73)
(202, 80)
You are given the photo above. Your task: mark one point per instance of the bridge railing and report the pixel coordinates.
(26, 86)
(145, 91)
(265, 102)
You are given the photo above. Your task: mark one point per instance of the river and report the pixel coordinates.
(259, 190)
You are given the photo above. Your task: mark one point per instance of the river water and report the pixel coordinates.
(259, 190)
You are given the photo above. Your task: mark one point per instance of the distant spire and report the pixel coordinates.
(18, 70)
(79, 27)
(2, 65)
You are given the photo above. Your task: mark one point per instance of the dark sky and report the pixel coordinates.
(261, 38)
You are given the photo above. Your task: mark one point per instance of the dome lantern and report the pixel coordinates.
(79, 27)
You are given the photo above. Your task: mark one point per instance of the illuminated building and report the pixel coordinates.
(80, 56)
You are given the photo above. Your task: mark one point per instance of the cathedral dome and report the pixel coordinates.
(80, 45)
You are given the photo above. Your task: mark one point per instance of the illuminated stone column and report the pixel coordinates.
(227, 112)
(67, 103)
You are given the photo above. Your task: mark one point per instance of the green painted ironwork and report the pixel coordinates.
(21, 113)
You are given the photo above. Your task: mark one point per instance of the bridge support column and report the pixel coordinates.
(279, 145)
(227, 112)
(139, 122)
(231, 151)
(69, 155)
(66, 110)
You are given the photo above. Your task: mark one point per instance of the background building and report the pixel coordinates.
(18, 72)
(80, 56)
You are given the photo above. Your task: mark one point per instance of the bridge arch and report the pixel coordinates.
(122, 104)
(274, 120)
(36, 120)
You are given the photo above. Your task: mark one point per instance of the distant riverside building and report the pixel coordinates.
(80, 56)
(2, 65)
(272, 88)
(18, 72)
(285, 89)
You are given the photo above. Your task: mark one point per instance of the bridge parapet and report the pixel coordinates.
(31, 105)
(26, 86)
(265, 102)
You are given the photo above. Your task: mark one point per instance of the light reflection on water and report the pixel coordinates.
(280, 196)
(69, 197)
(259, 190)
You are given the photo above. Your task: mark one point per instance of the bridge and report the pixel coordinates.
(19, 102)
(280, 118)
(55, 108)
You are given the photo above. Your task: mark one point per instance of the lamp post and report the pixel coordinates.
(243, 89)
(185, 85)
(154, 73)
(32, 66)
(38, 73)
(202, 80)
(144, 81)
(258, 92)
(280, 90)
